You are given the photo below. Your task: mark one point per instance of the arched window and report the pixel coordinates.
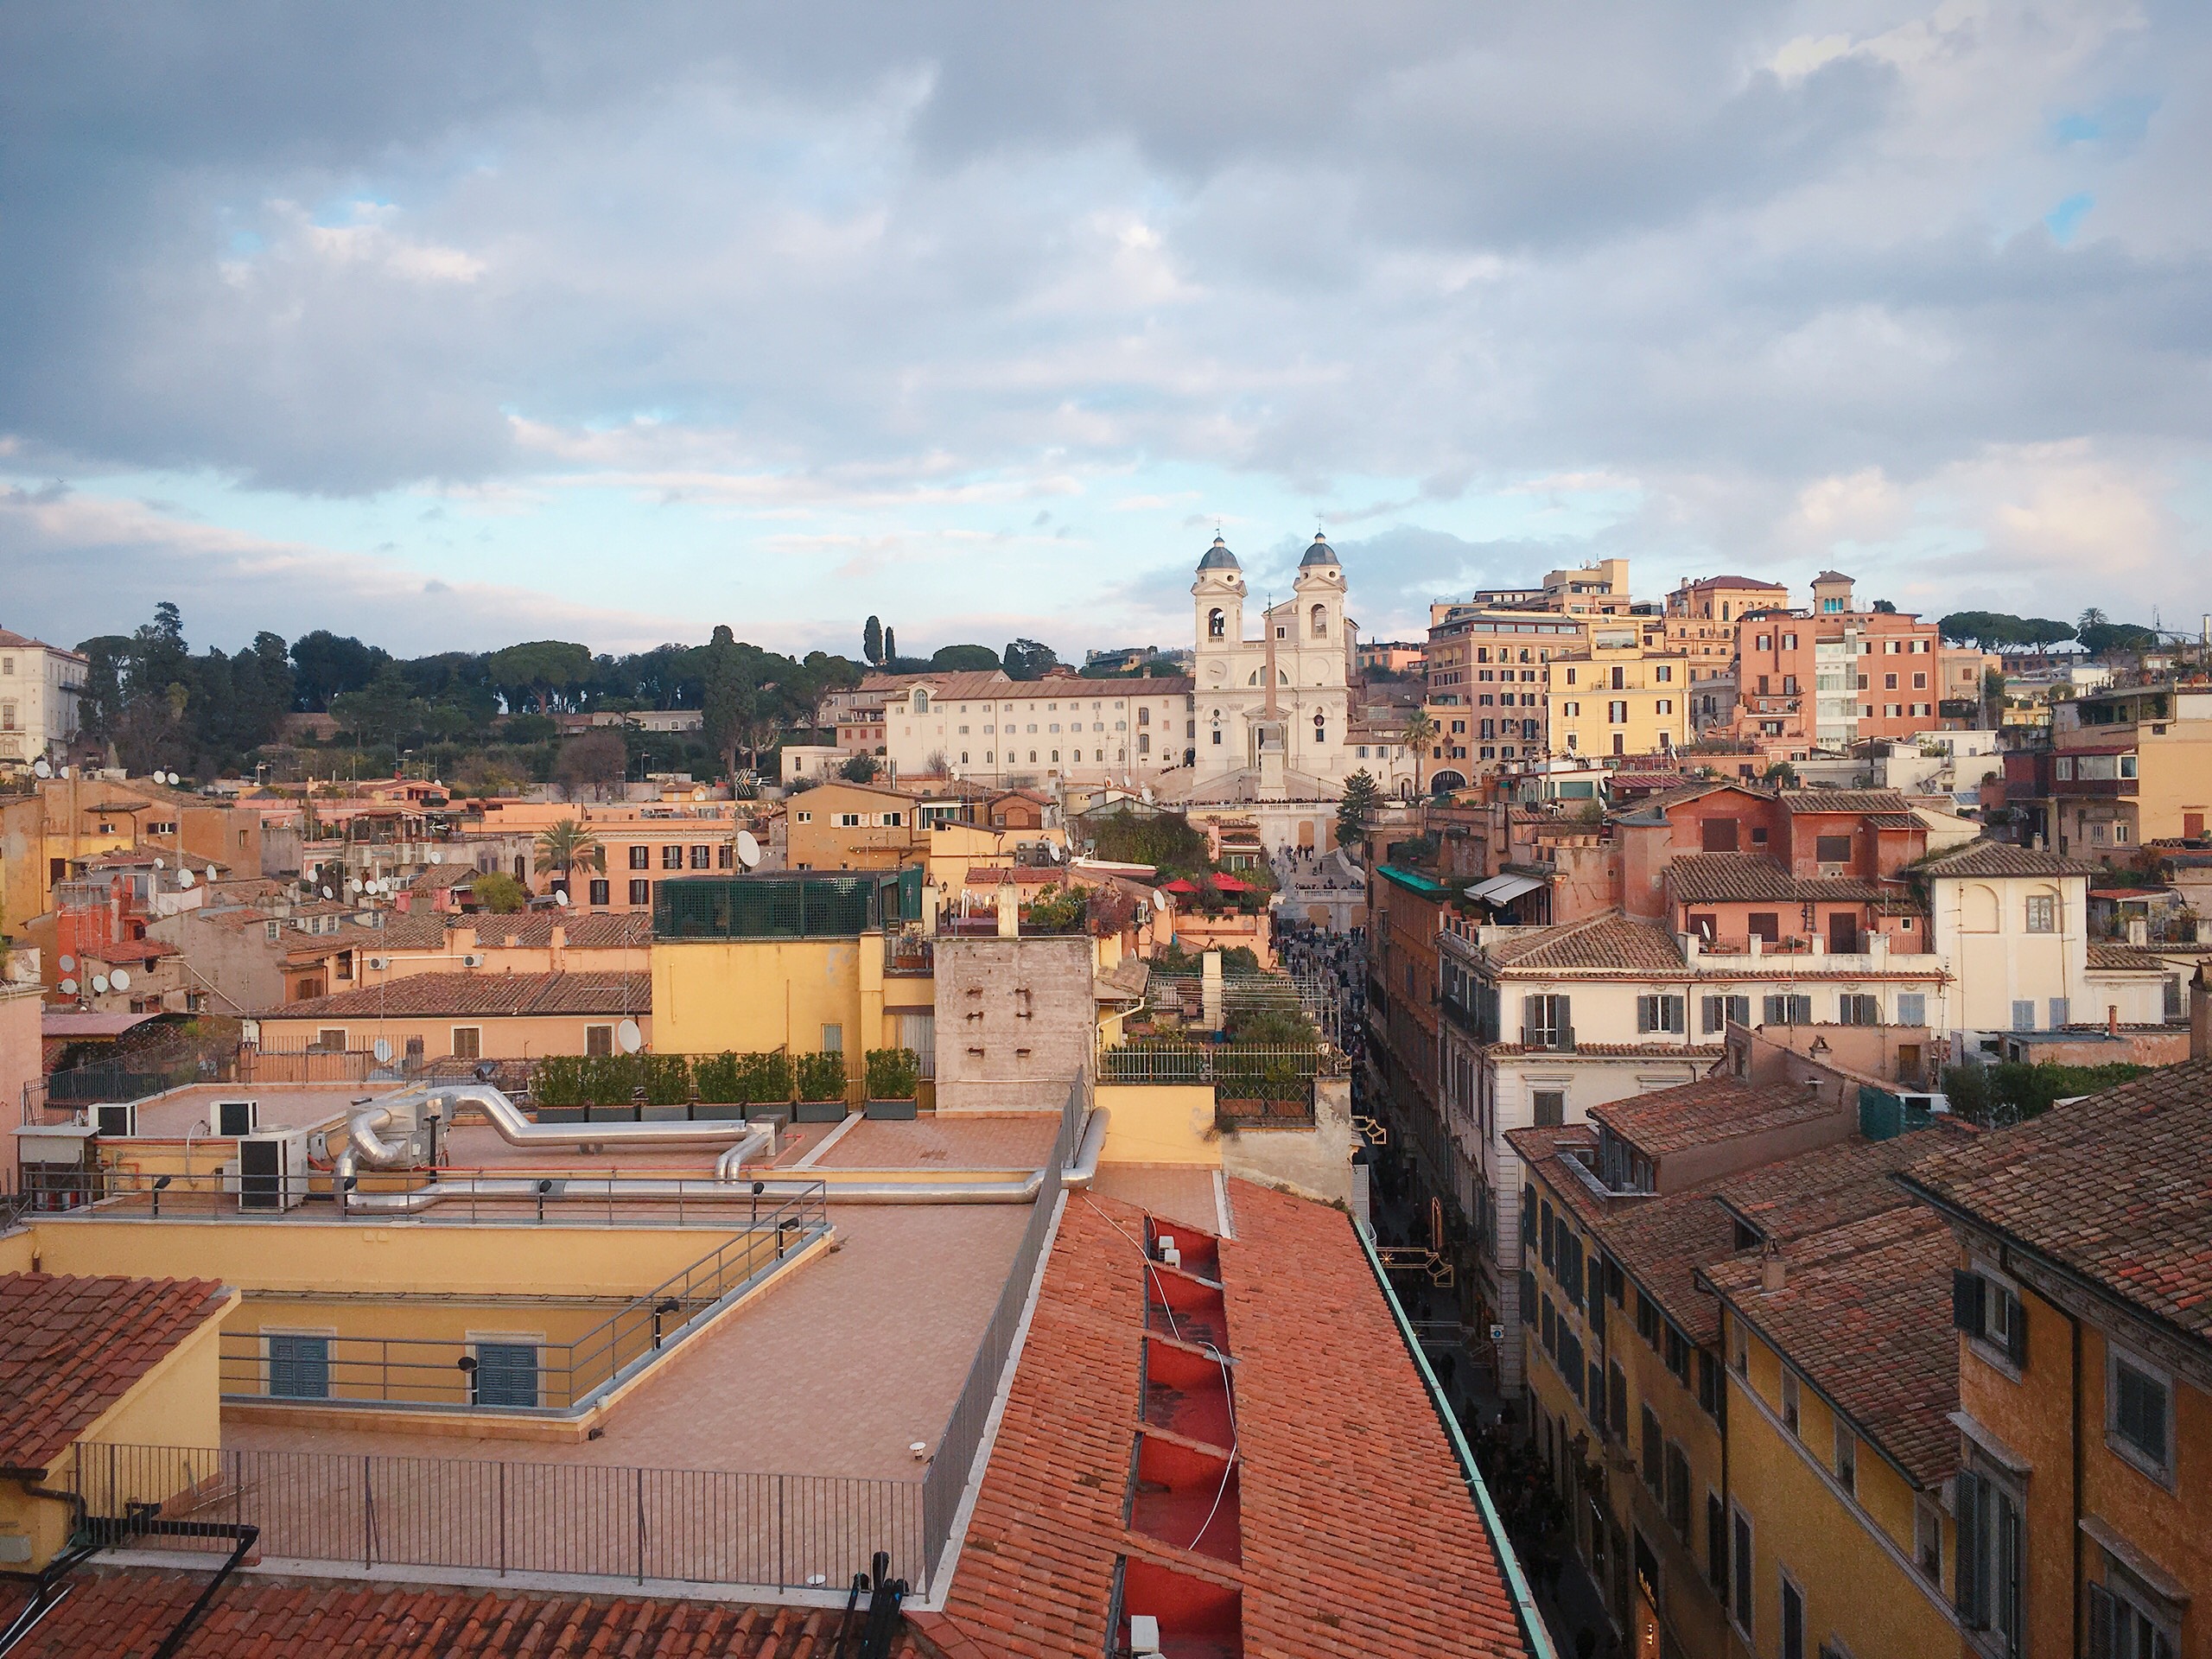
(1217, 623)
(963, 757)
(1321, 615)
(1033, 757)
(921, 701)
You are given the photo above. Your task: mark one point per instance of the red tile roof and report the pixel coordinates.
(1359, 1536)
(2000, 858)
(1854, 801)
(71, 1347)
(1721, 878)
(490, 994)
(2113, 1188)
(1608, 944)
(129, 1612)
(1867, 1321)
(1711, 1108)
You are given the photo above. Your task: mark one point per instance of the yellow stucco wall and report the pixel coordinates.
(499, 1037)
(1852, 1558)
(752, 997)
(1166, 1124)
(313, 1256)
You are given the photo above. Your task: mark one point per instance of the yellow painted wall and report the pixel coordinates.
(1870, 1597)
(1166, 1124)
(504, 1038)
(2173, 1527)
(311, 1256)
(752, 997)
(423, 1375)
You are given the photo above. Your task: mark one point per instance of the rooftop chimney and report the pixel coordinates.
(2200, 1016)
(1773, 1273)
(2111, 1019)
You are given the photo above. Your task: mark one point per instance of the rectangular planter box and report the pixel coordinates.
(664, 1114)
(723, 1111)
(560, 1114)
(610, 1113)
(895, 1111)
(818, 1111)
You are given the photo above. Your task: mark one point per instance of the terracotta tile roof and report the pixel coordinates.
(1615, 1051)
(1844, 800)
(2115, 1189)
(444, 875)
(1893, 821)
(13, 641)
(595, 931)
(489, 995)
(1711, 1108)
(1358, 1536)
(2128, 956)
(1998, 858)
(71, 1347)
(1652, 809)
(1830, 1186)
(1736, 581)
(1866, 1319)
(130, 1612)
(1607, 943)
(1661, 1243)
(1721, 878)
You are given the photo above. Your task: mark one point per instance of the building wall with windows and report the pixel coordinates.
(994, 730)
(2018, 946)
(1307, 640)
(841, 826)
(1619, 696)
(1486, 682)
(2129, 765)
(39, 689)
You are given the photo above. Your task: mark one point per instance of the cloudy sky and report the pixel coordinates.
(448, 326)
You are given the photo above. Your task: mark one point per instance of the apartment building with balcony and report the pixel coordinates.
(1835, 676)
(1487, 668)
(2125, 765)
(1701, 618)
(1627, 693)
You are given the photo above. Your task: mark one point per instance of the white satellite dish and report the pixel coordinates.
(353, 884)
(68, 964)
(175, 780)
(157, 864)
(436, 857)
(100, 984)
(68, 988)
(42, 769)
(184, 878)
(561, 899)
(1058, 851)
(328, 894)
(628, 1038)
(698, 794)
(120, 979)
(749, 850)
(382, 1049)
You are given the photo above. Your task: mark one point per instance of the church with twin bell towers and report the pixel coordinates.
(1282, 701)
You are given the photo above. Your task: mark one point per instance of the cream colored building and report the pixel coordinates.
(1063, 729)
(1305, 647)
(39, 688)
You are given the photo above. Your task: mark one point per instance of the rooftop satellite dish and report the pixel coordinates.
(157, 864)
(100, 984)
(1058, 851)
(436, 857)
(184, 878)
(698, 794)
(175, 780)
(328, 894)
(628, 1038)
(382, 1049)
(120, 979)
(68, 988)
(42, 769)
(749, 850)
(561, 899)
(68, 964)
(353, 884)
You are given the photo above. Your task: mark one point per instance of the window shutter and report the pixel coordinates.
(1643, 1007)
(1967, 1591)
(2101, 1611)
(1532, 1016)
(1774, 1010)
(1965, 1300)
(2016, 1331)
(2007, 1575)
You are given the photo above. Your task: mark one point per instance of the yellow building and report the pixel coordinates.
(467, 1016)
(1640, 1233)
(2082, 1299)
(1627, 694)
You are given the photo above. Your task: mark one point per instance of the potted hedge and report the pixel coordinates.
(894, 1078)
(667, 1082)
(557, 1089)
(720, 1081)
(610, 1085)
(821, 1082)
(765, 1081)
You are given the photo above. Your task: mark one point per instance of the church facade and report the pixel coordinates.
(1281, 702)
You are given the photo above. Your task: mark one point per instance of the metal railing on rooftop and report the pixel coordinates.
(557, 1378)
(604, 1521)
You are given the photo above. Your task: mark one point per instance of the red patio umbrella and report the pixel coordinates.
(1230, 884)
(1179, 885)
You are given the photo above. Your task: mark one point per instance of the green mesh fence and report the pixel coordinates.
(808, 907)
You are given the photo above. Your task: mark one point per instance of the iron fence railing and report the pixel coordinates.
(556, 1378)
(132, 1079)
(1229, 1066)
(946, 1478)
(604, 1521)
(545, 1196)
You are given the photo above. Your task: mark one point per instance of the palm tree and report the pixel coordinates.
(565, 845)
(1419, 732)
(2093, 618)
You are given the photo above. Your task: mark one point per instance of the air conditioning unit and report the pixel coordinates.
(377, 964)
(237, 1117)
(116, 1120)
(272, 1171)
(472, 960)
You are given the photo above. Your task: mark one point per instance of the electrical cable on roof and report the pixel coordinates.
(1227, 1394)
